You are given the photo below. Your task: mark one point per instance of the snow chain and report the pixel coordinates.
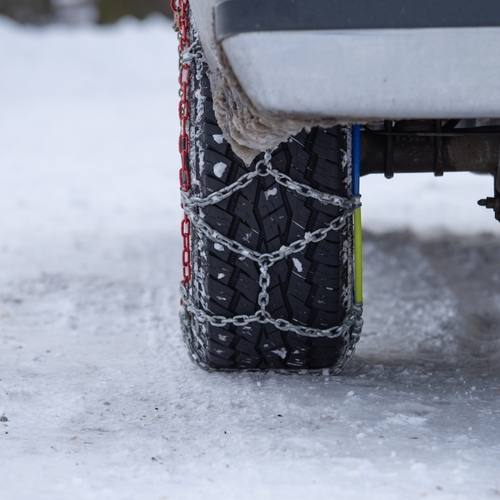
(180, 9)
(350, 328)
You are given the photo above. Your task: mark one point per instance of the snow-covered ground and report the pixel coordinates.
(97, 396)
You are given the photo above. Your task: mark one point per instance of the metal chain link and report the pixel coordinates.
(353, 319)
(264, 168)
(269, 258)
(192, 205)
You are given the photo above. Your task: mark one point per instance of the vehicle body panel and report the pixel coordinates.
(358, 60)
(365, 75)
(278, 66)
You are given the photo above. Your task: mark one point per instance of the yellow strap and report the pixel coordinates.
(358, 257)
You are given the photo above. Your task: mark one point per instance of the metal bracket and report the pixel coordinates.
(429, 146)
(438, 145)
(493, 202)
(389, 150)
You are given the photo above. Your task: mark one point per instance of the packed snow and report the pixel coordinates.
(98, 399)
(219, 169)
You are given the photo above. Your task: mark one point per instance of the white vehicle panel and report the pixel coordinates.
(362, 75)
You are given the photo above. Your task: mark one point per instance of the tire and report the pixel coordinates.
(312, 288)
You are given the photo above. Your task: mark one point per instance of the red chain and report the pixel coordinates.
(180, 8)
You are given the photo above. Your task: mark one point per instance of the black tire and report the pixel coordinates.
(312, 288)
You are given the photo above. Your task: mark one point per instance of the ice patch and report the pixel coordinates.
(218, 138)
(219, 247)
(298, 265)
(219, 169)
(220, 276)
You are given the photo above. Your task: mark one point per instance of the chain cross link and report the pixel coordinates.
(352, 319)
(266, 260)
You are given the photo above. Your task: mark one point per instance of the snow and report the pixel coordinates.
(99, 397)
(218, 138)
(219, 169)
(271, 192)
(297, 264)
